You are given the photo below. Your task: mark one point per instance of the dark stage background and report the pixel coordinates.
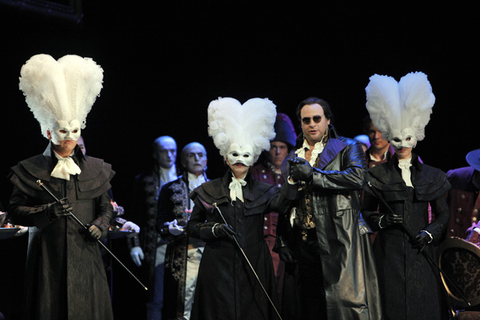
(165, 61)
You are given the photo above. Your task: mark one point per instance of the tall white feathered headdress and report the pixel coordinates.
(60, 90)
(249, 124)
(395, 106)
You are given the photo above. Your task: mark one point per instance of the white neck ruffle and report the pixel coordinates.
(404, 165)
(65, 167)
(236, 188)
(317, 149)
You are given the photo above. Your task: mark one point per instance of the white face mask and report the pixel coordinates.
(242, 155)
(66, 131)
(404, 139)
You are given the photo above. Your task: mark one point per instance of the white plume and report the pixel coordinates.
(83, 78)
(383, 102)
(249, 124)
(399, 105)
(60, 90)
(416, 94)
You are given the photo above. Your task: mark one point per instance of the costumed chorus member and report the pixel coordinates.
(228, 215)
(380, 150)
(463, 198)
(65, 277)
(402, 189)
(152, 247)
(184, 253)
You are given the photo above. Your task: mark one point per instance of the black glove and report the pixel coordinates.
(286, 255)
(283, 250)
(390, 219)
(94, 232)
(59, 209)
(300, 170)
(223, 231)
(421, 240)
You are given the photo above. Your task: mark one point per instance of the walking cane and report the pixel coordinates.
(249, 264)
(71, 214)
(410, 235)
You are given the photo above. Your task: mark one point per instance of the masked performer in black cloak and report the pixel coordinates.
(402, 190)
(65, 275)
(226, 285)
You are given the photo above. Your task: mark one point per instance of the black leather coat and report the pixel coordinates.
(351, 289)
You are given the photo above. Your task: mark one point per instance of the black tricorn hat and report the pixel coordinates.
(285, 131)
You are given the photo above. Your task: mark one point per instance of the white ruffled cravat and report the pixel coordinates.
(236, 188)
(65, 167)
(405, 165)
(315, 152)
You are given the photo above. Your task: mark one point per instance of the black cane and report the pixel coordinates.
(249, 264)
(71, 214)
(410, 235)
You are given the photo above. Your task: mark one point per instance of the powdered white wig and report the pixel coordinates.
(249, 124)
(60, 90)
(395, 106)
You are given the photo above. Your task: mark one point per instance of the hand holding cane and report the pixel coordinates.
(232, 236)
(72, 215)
(417, 244)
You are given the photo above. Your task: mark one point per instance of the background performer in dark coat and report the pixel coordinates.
(463, 198)
(184, 253)
(268, 170)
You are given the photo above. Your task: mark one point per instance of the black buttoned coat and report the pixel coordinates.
(65, 277)
(226, 287)
(409, 285)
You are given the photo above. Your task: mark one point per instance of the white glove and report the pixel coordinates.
(175, 229)
(293, 214)
(129, 225)
(137, 255)
(22, 231)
